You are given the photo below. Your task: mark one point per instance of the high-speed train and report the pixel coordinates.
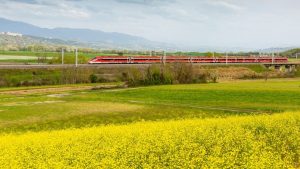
(183, 59)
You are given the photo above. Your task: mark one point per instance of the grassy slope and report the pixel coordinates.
(42, 111)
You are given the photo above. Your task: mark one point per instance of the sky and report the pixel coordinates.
(214, 23)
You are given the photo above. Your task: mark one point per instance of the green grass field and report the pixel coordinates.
(294, 60)
(243, 124)
(44, 111)
(12, 57)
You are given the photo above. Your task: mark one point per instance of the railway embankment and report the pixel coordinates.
(135, 74)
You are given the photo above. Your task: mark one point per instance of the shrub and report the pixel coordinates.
(93, 78)
(177, 73)
(184, 73)
(134, 77)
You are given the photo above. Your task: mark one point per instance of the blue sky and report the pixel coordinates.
(221, 23)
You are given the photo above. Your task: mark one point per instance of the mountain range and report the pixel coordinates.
(91, 38)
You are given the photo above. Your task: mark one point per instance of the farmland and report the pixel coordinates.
(247, 124)
(149, 84)
(12, 57)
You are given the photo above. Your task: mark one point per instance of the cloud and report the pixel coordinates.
(147, 2)
(26, 1)
(43, 9)
(226, 4)
(192, 22)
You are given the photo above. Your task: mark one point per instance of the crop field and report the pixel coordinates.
(231, 124)
(19, 59)
(46, 57)
(11, 57)
(294, 60)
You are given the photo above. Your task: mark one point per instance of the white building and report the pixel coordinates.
(11, 34)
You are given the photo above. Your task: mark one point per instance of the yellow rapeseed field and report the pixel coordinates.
(265, 141)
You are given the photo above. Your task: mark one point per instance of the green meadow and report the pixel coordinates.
(47, 110)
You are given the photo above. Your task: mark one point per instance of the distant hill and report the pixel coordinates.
(292, 52)
(93, 38)
(275, 50)
(16, 42)
(287, 51)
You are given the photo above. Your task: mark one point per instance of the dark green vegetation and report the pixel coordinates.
(48, 110)
(291, 53)
(136, 75)
(167, 74)
(36, 77)
(56, 76)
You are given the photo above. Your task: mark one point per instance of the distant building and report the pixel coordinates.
(11, 34)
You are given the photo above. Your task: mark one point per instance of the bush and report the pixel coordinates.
(184, 73)
(93, 78)
(177, 73)
(134, 77)
(157, 75)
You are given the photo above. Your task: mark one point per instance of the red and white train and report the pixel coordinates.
(185, 59)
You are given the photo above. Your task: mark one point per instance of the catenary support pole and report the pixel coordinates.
(226, 58)
(76, 57)
(164, 59)
(62, 56)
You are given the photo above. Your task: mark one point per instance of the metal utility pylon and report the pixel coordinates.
(164, 57)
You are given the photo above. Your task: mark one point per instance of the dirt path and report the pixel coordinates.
(229, 109)
(55, 89)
